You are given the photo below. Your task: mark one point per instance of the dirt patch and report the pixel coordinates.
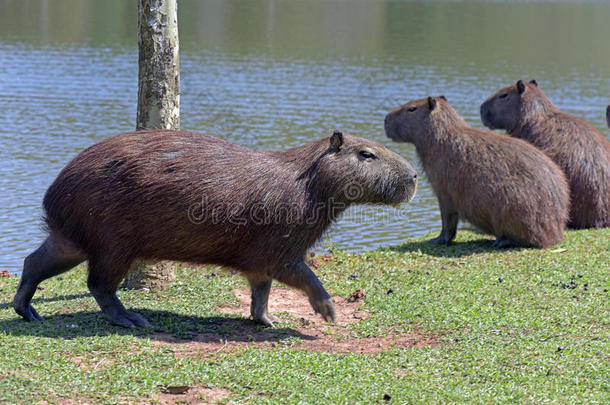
(169, 395)
(311, 333)
(295, 304)
(191, 395)
(75, 400)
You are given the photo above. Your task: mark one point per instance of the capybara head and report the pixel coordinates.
(413, 121)
(354, 170)
(506, 108)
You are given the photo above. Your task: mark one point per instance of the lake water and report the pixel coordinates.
(276, 74)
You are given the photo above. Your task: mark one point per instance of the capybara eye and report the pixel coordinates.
(503, 95)
(367, 155)
(411, 109)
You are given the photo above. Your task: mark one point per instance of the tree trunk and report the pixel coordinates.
(158, 103)
(159, 65)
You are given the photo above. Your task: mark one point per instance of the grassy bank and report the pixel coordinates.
(494, 326)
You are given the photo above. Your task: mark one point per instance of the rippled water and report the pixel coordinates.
(276, 74)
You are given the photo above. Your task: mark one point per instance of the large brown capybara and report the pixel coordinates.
(577, 147)
(190, 197)
(502, 185)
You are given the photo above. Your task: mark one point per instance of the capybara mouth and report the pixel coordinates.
(486, 120)
(411, 191)
(390, 131)
(408, 193)
(394, 137)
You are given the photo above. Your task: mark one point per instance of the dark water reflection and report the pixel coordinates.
(275, 74)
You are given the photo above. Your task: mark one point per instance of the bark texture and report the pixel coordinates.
(159, 65)
(158, 103)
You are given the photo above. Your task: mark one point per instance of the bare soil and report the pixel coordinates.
(192, 395)
(312, 333)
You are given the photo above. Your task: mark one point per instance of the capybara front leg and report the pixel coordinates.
(449, 216)
(260, 288)
(103, 281)
(299, 275)
(55, 256)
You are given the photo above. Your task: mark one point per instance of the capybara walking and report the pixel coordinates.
(502, 185)
(579, 149)
(190, 197)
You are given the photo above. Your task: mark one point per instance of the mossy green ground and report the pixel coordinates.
(523, 325)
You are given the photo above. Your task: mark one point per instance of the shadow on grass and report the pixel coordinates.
(7, 305)
(455, 249)
(167, 326)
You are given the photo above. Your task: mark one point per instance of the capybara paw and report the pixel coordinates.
(264, 319)
(122, 321)
(326, 308)
(441, 240)
(138, 320)
(28, 313)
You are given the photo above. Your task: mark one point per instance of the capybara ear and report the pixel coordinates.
(520, 86)
(431, 103)
(534, 82)
(444, 98)
(336, 140)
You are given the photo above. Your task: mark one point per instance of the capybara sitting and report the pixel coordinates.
(579, 149)
(190, 197)
(502, 185)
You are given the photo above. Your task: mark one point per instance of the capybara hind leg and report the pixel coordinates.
(260, 297)
(505, 243)
(299, 275)
(449, 216)
(55, 256)
(103, 281)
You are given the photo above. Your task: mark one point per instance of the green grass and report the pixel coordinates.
(525, 326)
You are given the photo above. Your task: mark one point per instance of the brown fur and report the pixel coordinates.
(578, 148)
(502, 185)
(190, 197)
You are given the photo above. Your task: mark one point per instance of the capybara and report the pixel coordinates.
(579, 149)
(175, 195)
(504, 186)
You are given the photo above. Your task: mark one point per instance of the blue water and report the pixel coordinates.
(273, 75)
